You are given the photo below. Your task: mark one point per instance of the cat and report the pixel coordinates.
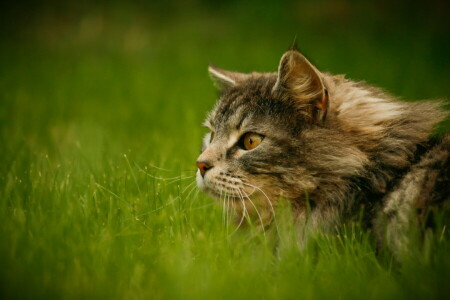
(328, 145)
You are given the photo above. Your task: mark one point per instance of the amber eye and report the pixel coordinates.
(251, 140)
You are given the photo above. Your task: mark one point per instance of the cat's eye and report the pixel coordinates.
(251, 140)
(211, 136)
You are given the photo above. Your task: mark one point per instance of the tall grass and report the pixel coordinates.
(100, 109)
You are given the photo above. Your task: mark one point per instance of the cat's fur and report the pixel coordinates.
(331, 146)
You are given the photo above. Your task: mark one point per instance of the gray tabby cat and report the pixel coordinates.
(327, 144)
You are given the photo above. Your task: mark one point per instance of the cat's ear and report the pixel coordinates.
(298, 79)
(225, 79)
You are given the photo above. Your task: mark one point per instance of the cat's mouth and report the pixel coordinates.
(224, 188)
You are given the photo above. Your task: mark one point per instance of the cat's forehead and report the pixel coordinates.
(238, 105)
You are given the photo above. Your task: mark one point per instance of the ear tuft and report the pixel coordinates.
(224, 79)
(299, 80)
(220, 77)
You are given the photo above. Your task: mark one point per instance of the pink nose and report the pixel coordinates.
(203, 167)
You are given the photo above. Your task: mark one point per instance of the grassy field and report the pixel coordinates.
(100, 113)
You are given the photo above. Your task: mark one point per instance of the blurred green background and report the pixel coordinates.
(95, 94)
(107, 67)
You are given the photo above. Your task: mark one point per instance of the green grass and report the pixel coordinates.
(95, 99)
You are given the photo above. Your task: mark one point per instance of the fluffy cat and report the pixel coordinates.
(327, 144)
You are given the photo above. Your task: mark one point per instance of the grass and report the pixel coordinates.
(100, 113)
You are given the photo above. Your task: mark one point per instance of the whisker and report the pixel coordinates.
(265, 195)
(239, 224)
(165, 178)
(191, 190)
(195, 194)
(168, 170)
(256, 209)
(184, 190)
(228, 213)
(223, 198)
(161, 178)
(180, 179)
(244, 212)
(223, 206)
(270, 204)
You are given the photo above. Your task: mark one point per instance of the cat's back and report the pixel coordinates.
(426, 183)
(421, 192)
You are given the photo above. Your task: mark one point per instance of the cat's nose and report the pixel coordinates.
(203, 166)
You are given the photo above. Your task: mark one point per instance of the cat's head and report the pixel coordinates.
(254, 150)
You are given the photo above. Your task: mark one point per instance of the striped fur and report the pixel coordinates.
(337, 143)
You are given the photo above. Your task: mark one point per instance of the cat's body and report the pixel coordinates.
(328, 145)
